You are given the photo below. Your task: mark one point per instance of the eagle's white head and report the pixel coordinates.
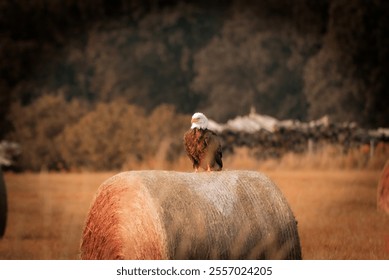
(199, 120)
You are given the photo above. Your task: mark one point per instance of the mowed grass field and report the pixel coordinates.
(336, 213)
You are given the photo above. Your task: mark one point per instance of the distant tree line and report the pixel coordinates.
(289, 59)
(71, 135)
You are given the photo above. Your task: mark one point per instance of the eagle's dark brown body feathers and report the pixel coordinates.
(204, 149)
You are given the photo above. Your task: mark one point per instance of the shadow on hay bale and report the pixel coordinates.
(383, 190)
(176, 215)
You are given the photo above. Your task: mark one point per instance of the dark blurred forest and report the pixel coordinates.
(79, 77)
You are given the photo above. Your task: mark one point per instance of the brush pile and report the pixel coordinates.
(269, 137)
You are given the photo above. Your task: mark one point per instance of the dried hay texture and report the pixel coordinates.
(383, 190)
(177, 215)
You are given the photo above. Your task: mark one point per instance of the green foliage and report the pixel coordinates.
(347, 78)
(251, 68)
(300, 59)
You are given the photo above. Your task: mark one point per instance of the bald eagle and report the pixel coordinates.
(202, 145)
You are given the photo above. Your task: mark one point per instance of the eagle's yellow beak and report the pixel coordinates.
(194, 120)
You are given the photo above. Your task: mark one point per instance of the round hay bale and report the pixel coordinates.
(176, 215)
(3, 205)
(383, 190)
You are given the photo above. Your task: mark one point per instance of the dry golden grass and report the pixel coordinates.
(326, 157)
(335, 208)
(46, 214)
(336, 212)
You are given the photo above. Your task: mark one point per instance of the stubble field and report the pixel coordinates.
(336, 213)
